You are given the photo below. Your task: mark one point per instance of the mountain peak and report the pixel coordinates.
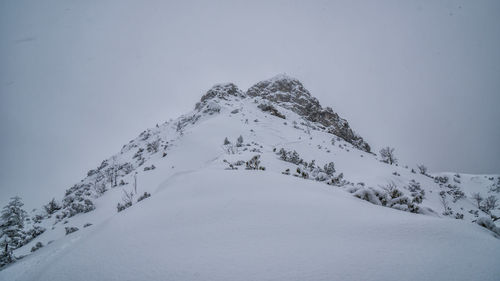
(215, 171)
(283, 77)
(282, 86)
(289, 93)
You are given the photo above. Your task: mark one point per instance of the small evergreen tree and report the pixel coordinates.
(254, 163)
(6, 256)
(239, 141)
(283, 155)
(13, 216)
(226, 141)
(329, 169)
(295, 158)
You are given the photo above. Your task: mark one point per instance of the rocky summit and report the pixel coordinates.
(290, 93)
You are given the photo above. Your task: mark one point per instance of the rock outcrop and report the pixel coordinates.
(289, 93)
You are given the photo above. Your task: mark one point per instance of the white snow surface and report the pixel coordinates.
(204, 222)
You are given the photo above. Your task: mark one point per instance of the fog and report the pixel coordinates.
(78, 79)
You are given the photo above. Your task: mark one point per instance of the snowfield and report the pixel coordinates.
(209, 218)
(254, 225)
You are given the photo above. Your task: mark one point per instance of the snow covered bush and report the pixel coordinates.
(37, 218)
(144, 196)
(254, 163)
(302, 174)
(32, 233)
(138, 154)
(329, 169)
(319, 175)
(371, 195)
(127, 168)
(441, 180)
(289, 156)
(389, 196)
(474, 212)
(396, 196)
(422, 169)
(37, 246)
(70, 229)
(234, 165)
(337, 180)
(76, 205)
(311, 170)
(77, 200)
(455, 192)
(489, 204)
(127, 199)
(398, 200)
(416, 192)
(447, 211)
(120, 207)
(496, 186)
(282, 154)
(231, 166)
(154, 146)
(52, 207)
(100, 188)
(152, 167)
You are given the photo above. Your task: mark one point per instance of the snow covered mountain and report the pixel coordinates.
(262, 185)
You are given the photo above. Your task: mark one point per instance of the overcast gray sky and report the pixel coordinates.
(78, 79)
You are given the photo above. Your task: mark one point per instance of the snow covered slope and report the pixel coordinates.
(298, 197)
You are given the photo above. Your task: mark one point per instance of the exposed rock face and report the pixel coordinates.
(221, 91)
(291, 94)
(287, 92)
